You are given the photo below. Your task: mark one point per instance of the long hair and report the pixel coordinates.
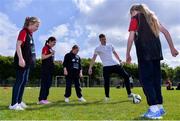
(31, 20)
(150, 16)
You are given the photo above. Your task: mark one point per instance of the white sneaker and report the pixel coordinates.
(106, 99)
(131, 96)
(66, 100)
(82, 99)
(16, 107)
(23, 105)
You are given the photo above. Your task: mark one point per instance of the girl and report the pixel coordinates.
(24, 58)
(47, 69)
(73, 71)
(144, 31)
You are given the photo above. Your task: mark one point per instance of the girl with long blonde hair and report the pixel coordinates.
(144, 31)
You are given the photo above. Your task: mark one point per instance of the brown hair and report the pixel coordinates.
(31, 20)
(50, 39)
(101, 36)
(75, 47)
(150, 16)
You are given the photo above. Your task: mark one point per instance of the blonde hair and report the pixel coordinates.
(150, 16)
(30, 20)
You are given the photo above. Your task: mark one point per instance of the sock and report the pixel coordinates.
(154, 108)
(160, 106)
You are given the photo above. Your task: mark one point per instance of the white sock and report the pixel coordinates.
(154, 108)
(160, 106)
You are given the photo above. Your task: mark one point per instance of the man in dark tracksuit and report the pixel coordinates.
(73, 71)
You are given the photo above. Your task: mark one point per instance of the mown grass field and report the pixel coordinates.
(119, 108)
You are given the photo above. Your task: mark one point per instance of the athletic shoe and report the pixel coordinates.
(16, 107)
(82, 99)
(66, 100)
(47, 102)
(162, 111)
(23, 105)
(42, 102)
(106, 99)
(152, 115)
(130, 96)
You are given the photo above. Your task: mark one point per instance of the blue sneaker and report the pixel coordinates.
(152, 115)
(162, 111)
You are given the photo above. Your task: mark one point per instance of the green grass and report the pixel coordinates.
(119, 108)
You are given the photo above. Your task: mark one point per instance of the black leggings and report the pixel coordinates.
(108, 70)
(46, 81)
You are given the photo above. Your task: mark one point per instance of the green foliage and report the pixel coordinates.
(7, 71)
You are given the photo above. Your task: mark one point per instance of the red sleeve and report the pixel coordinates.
(133, 25)
(45, 51)
(22, 36)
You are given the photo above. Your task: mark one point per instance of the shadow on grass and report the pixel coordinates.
(61, 103)
(142, 118)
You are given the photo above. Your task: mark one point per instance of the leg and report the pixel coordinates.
(25, 79)
(77, 87)
(146, 74)
(43, 86)
(106, 75)
(48, 85)
(157, 81)
(16, 88)
(44, 80)
(120, 70)
(68, 87)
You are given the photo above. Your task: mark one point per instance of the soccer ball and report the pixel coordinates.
(136, 99)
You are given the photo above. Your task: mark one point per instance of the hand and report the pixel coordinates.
(121, 62)
(90, 71)
(174, 52)
(65, 72)
(80, 75)
(128, 58)
(22, 63)
(52, 52)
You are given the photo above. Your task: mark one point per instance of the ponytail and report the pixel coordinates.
(30, 20)
(46, 42)
(50, 39)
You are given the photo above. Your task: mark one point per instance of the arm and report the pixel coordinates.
(117, 56)
(80, 67)
(129, 46)
(43, 56)
(65, 62)
(92, 63)
(174, 52)
(19, 53)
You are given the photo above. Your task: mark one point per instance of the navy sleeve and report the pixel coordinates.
(65, 62)
(80, 67)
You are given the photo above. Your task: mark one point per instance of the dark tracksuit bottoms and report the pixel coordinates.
(150, 78)
(69, 81)
(46, 81)
(108, 70)
(18, 88)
